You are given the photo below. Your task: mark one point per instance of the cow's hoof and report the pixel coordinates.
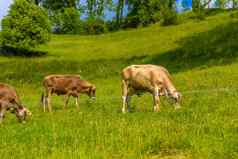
(156, 110)
(123, 111)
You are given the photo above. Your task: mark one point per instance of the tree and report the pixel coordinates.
(119, 11)
(25, 27)
(95, 8)
(144, 12)
(64, 15)
(199, 5)
(67, 21)
(37, 2)
(55, 5)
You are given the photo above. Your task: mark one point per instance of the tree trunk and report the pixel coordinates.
(119, 11)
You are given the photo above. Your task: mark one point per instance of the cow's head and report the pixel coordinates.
(177, 98)
(92, 92)
(22, 113)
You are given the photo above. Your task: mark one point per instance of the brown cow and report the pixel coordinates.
(147, 78)
(68, 85)
(9, 100)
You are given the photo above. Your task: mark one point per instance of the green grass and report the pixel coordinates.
(201, 55)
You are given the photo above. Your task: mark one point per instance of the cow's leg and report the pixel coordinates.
(2, 113)
(45, 101)
(77, 102)
(124, 96)
(67, 96)
(156, 100)
(156, 104)
(49, 100)
(128, 103)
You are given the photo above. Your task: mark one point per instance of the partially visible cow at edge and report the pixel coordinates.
(67, 85)
(9, 100)
(147, 78)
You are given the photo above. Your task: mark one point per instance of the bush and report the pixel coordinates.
(132, 21)
(95, 26)
(168, 16)
(67, 21)
(146, 12)
(112, 25)
(25, 27)
(142, 13)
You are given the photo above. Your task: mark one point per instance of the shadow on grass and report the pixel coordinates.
(215, 11)
(13, 52)
(215, 47)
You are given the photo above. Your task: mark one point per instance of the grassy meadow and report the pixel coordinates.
(202, 57)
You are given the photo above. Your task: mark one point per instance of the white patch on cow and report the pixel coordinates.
(156, 91)
(176, 95)
(124, 98)
(1, 114)
(21, 112)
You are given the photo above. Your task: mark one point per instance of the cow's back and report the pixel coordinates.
(144, 76)
(59, 80)
(8, 93)
(61, 84)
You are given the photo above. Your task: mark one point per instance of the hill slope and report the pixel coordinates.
(202, 57)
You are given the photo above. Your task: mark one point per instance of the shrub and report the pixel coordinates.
(132, 21)
(168, 16)
(25, 27)
(143, 13)
(66, 21)
(95, 26)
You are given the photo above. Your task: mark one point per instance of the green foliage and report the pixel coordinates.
(143, 12)
(168, 16)
(25, 27)
(54, 5)
(95, 8)
(64, 15)
(67, 21)
(94, 26)
(146, 12)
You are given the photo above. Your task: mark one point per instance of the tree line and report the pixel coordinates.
(30, 22)
(65, 14)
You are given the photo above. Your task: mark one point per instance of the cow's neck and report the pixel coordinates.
(169, 86)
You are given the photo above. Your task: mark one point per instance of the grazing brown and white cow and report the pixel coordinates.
(68, 85)
(9, 100)
(147, 78)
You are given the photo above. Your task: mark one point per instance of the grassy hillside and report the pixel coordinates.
(202, 57)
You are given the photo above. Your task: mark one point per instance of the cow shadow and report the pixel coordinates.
(7, 51)
(215, 47)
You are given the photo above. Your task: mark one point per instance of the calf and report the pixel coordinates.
(9, 100)
(147, 78)
(68, 85)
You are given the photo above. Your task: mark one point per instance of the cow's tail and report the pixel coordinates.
(42, 98)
